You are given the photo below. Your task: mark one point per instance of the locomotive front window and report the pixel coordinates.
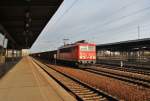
(87, 48)
(83, 48)
(91, 48)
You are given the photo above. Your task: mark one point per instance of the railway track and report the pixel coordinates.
(145, 71)
(119, 76)
(81, 90)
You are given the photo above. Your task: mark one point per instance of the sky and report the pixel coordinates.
(96, 21)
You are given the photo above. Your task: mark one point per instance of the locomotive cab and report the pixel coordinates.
(87, 53)
(77, 53)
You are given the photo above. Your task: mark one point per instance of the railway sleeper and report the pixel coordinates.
(82, 93)
(96, 98)
(72, 84)
(78, 87)
(80, 90)
(90, 95)
(87, 94)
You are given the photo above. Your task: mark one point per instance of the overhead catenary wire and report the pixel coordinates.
(117, 19)
(60, 17)
(116, 24)
(120, 18)
(65, 12)
(124, 7)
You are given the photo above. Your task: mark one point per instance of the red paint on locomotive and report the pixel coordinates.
(79, 52)
(87, 52)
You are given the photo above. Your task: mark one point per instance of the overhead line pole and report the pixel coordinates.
(138, 32)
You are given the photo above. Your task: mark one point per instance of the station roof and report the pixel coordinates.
(130, 45)
(23, 20)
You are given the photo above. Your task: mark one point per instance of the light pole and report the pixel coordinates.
(138, 31)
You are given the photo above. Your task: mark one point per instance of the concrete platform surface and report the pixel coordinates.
(24, 83)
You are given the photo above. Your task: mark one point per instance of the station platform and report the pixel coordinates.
(25, 82)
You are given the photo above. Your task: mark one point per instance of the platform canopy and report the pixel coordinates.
(130, 45)
(21, 21)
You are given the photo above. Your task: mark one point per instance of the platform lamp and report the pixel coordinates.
(27, 25)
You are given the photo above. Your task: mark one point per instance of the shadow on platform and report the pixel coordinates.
(4, 68)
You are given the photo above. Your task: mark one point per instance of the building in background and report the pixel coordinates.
(25, 52)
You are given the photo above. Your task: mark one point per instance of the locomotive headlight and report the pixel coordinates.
(94, 57)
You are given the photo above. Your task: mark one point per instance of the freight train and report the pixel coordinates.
(78, 53)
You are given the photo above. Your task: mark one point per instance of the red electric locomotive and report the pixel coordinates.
(80, 52)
